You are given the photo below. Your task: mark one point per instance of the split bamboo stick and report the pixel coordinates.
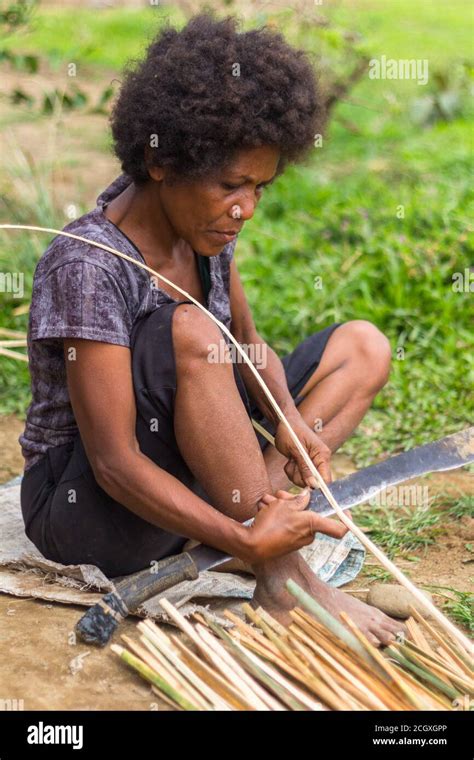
(267, 701)
(13, 354)
(137, 664)
(279, 661)
(12, 333)
(417, 635)
(325, 617)
(302, 696)
(159, 665)
(447, 664)
(252, 631)
(13, 343)
(379, 684)
(257, 671)
(459, 655)
(372, 700)
(396, 681)
(213, 678)
(247, 694)
(165, 698)
(298, 662)
(166, 648)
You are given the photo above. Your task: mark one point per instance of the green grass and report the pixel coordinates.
(459, 605)
(376, 574)
(400, 530)
(335, 217)
(459, 507)
(395, 28)
(94, 38)
(403, 29)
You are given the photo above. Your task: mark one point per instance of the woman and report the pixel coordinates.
(136, 440)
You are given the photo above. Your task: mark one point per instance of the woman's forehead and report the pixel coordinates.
(249, 162)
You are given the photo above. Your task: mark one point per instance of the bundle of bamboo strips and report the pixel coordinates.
(315, 663)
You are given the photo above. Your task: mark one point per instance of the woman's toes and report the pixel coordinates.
(383, 636)
(392, 624)
(398, 629)
(390, 636)
(373, 639)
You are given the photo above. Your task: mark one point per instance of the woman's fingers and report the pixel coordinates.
(285, 494)
(268, 498)
(293, 473)
(300, 501)
(324, 470)
(283, 524)
(321, 458)
(325, 525)
(303, 473)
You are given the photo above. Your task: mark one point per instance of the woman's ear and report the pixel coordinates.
(156, 172)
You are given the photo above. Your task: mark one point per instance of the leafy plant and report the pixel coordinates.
(14, 15)
(448, 91)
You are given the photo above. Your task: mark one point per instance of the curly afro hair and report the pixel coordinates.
(203, 93)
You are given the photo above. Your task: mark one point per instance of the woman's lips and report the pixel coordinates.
(225, 236)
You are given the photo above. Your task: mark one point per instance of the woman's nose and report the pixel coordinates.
(245, 208)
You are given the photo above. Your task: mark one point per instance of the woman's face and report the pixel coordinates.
(209, 213)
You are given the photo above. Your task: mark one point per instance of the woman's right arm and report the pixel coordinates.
(100, 373)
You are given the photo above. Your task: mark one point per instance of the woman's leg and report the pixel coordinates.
(354, 367)
(217, 441)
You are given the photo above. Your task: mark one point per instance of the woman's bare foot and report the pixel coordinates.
(271, 594)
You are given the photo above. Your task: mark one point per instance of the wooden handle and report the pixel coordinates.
(101, 621)
(139, 587)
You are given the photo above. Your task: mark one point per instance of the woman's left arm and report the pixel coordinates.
(272, 372)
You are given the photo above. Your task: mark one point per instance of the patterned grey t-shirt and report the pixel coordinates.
(81, 291)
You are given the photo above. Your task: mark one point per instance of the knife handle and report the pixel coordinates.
(161, 575)
(101, 620)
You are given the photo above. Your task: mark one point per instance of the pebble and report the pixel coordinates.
(395, 600)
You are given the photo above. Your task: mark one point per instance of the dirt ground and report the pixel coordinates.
(40, 670)
(11, 460)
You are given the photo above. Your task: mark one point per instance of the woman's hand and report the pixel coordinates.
(296, 468)
(282, 525)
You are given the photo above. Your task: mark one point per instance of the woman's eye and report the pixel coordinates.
(230, 187)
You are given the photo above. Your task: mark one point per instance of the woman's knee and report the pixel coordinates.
(370, 348)
(195, 335)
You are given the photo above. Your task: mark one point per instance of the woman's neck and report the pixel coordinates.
(138, 213)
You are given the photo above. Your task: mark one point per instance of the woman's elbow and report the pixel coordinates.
(110, 470)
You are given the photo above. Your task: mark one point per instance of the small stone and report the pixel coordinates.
(395, 600)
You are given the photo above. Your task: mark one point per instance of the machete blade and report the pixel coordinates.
(446, 454)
